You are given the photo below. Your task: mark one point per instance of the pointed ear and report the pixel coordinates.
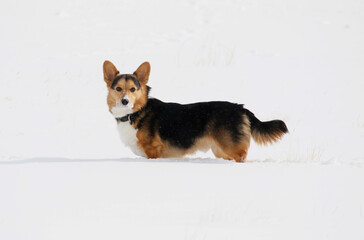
(143, 72)
(110, 72)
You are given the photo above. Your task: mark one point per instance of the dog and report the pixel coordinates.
(155, 129)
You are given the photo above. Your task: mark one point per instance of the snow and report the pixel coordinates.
(64, 174)
(179, 199)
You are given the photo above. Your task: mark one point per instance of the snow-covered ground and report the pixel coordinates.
(194, 199)
(65, 175)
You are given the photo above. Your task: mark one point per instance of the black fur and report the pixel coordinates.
(181, 125)
(127, 77)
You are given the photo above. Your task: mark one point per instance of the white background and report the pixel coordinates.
(65, 175)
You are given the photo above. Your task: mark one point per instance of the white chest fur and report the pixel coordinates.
(127, 132)
(128, 137)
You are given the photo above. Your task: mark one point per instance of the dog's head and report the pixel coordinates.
(127, 93)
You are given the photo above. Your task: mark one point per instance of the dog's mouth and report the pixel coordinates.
(122, 107)
(120, 110)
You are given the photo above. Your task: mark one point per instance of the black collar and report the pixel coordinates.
(126, 118)
(131, 117)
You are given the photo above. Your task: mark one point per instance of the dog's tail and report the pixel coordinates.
(266, 132)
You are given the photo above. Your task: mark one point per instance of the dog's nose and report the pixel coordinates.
(125, 101)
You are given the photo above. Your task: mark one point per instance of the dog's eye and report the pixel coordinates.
(118, 89)
(132, 89)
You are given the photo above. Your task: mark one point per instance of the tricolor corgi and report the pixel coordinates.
(155, 129)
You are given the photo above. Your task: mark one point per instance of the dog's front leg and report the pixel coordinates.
(153, 147)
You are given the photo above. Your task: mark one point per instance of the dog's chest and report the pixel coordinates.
(128, 137)
(126, 132)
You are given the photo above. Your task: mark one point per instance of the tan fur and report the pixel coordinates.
(152, 146)
(201, 144)
(110, 72)
(265, 139)
(230, 151)
(225, 147)
(142, 73)
(219, 153)
(140, 98)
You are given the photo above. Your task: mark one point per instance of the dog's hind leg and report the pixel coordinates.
(219, 153)
(232, 151)
(237, 153)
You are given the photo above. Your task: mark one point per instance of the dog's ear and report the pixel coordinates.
(143, 72)
(110, 72)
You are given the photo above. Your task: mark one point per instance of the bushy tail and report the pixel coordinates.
(266, 132)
